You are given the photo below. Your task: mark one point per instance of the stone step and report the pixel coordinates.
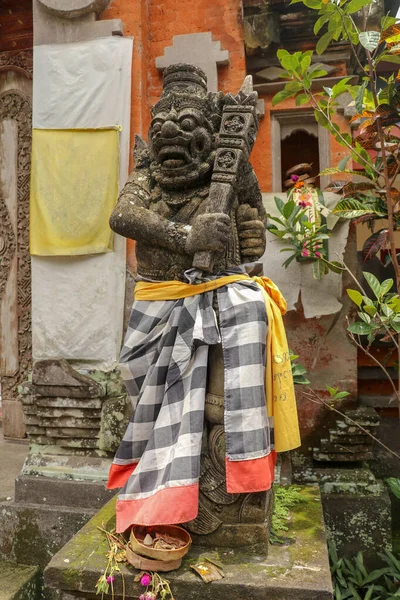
(31, 534)
(343, 448)
(321, 456)
(336, 436)
(19, 582)
(62, 492)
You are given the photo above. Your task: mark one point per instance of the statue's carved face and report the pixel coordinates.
(181, 147)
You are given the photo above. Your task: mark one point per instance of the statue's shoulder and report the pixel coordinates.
(139, 182)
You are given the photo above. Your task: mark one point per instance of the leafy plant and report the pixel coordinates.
(352, 581)
(298, 371)
(305, 240)
(374, 148)
(379, 315)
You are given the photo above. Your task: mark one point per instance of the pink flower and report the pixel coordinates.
(148, 596)
(303, 204)
(145, 580)
(294, 178)
(110, 579)
(305, 252)
(318, 254)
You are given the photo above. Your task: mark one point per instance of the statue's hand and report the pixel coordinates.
(252, 239)
(209, 232)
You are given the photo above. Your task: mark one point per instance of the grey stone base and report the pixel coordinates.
(296, 570)
(233, 536)
(45, 515)
(356, 507)
(61, 492)
(19, 582)
(66, 466)
(32, 533)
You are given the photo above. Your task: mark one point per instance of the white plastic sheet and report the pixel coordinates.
(77, 303)
(318, 297)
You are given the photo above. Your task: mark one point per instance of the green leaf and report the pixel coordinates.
(280, 96)
(364, 317)
(358, 100)
(298, 369)
(355, 296)
(288, 208)
(369, 39)
(387, 21)
(324, 42)
(394, 485)
(280, 205)
(341, 395)
(343, 163)
(319, 269)
(286, 59)
(288, 261)
(317, 73)
(319, 23)
(332, 391)
(321, 118)
(392, 58)
(386, 286)
(335, 266)
(370, 310)
(341, 87)
(361, 328)
(301, 380)
(373, 284)
(355, 5)
(301, 99)
(387, 311)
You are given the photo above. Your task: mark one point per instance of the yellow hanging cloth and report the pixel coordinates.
(279, 388)
(74, 188)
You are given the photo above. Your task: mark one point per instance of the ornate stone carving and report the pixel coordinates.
(23, 60)
(71, 9)
(14, 105)
(76, 413)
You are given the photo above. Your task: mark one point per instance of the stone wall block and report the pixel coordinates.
(114, 420)
(59, 374)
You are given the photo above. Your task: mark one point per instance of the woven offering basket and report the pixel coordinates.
(145, 557)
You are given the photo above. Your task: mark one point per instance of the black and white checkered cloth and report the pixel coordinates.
(164, 366)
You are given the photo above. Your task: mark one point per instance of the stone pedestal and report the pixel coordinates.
(224, 519)
(298, 569)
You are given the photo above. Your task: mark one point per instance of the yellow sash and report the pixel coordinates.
(281, 400)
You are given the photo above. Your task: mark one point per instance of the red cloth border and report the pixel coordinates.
(245, 476)
(168, 506)
(118, 475)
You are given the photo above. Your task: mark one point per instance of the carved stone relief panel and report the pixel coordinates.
(15, 270)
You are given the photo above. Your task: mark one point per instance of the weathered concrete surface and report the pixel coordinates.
(297, 570)
(31, 533)
(359, 523)
(356, 506)
(19, 582)
(58, 492)
(12, 456)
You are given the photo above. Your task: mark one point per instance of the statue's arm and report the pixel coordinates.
(133, 219)
(141, 224)
(251, 217)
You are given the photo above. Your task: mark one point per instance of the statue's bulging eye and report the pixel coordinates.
(156, 127)
(188, 124)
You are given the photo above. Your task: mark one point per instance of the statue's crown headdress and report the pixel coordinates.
(185, 85)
